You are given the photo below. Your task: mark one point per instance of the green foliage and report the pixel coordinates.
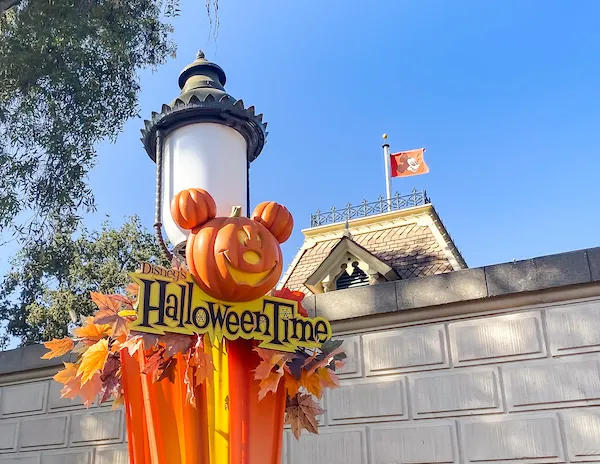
(51, 279)
(68, 75)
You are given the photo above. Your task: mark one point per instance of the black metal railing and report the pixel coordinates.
(382, 205)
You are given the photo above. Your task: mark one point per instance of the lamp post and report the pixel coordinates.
(204, 139)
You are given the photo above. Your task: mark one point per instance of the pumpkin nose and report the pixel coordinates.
(251, 257)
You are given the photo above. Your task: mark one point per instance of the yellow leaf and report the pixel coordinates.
(93, 360)
(92, 331)
(329, 379)
(128, 313)
(312, 383)
(68, 373)
(58, 347)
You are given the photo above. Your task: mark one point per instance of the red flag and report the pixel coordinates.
(409, 163)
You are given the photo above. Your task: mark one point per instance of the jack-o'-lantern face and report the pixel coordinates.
(234, 259)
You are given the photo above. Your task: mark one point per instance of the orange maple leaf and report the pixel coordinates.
(266, 366)
(312, 383)
(291, 384)
(111, 317)
(93, 332)
(132, 289)
(133, 344)
(270, 383)
(90, 390)
(270, 360)
(68, 373)
(87, 392)
(93, 360)
(71, 388)
(328, 378)
(58, 347)
(105, 301)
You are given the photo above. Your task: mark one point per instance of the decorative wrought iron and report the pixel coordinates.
(382, 205)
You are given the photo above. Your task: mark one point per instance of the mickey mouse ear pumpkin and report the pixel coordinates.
(193, 207)
(276, 218)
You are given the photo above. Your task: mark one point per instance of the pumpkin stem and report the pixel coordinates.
(236, 211)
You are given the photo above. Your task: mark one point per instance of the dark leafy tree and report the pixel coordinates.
(68, 79)
(50, 281)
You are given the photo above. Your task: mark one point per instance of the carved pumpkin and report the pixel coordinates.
(192, 207)
(236, 258)
(276, 218)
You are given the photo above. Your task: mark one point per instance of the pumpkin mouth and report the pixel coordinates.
(249, 278)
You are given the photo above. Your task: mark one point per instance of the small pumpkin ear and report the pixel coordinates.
(276, 218)
(192, 208)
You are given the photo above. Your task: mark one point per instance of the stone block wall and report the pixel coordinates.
(39, 427)
(520, 385)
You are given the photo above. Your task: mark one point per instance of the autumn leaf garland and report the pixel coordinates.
(96, 373)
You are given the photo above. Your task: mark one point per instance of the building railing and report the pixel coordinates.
(382, 205)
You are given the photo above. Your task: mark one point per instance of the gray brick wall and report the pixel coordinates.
(39, 427)
(519, 385)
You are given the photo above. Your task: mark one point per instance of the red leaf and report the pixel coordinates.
(153, 361)
(112, 366)
(294, 295)
(124, 299)
(301, 413)
(111, 317)
(175, 343)
(166, 370)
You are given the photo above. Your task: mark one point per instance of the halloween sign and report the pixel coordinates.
(170, 301)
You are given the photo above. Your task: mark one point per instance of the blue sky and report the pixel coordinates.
(504, 95)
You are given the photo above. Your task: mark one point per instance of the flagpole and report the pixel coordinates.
(388, 179)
